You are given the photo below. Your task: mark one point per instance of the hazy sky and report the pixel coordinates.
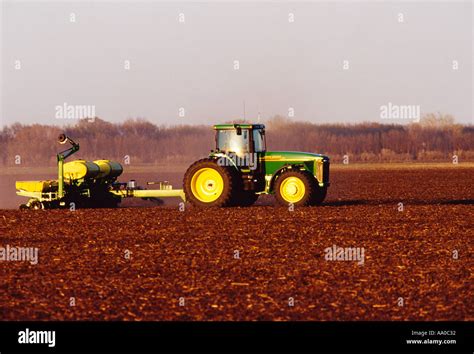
(290, 55)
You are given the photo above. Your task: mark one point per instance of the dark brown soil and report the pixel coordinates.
(191, 255)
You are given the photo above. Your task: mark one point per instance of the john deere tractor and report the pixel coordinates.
(240, 169)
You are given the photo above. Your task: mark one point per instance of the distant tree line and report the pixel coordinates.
(434, 138)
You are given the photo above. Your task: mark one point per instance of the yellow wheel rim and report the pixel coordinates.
(292, 189)
(207, 185)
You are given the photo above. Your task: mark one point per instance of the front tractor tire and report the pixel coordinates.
(298, 188)
(319, 195)
(206, 184)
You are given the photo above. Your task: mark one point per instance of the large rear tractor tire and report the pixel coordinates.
(206, 184)
(295, 187)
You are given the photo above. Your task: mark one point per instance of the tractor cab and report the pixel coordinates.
(240, 139)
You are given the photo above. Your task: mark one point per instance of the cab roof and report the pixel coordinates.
(235, 126)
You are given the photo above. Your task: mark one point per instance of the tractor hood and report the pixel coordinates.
(293, 156)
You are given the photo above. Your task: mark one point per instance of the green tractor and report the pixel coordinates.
(240, 169)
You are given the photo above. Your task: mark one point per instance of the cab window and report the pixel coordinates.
(228, 141)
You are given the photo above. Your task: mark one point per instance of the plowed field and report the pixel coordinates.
(258, 263)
